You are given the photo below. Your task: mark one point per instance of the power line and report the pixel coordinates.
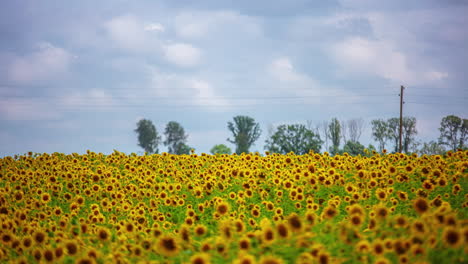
(191, 98)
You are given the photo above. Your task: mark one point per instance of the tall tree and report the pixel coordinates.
(334, 130)
(176, 138)
(380, 132)
(220, 149)
(148, 137)
(453, 132)
(296, 138)
(324, 125)
(409, 132)
(344, 130)
(393, 125)
(355, 128)
(245, 132)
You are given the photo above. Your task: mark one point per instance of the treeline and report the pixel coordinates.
(327, 135)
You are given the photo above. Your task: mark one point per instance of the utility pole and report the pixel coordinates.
(401, 115)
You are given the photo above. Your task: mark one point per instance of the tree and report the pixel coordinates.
(453, 132)
(354, 148)
(334, 130)
(431, 148)
(393, 125)
(220, 149)
(296, 138)
(324, 130)
(183, 148)
(409, 132)
(355, 128)
(176, 138)
(344, 131)
(380, 132)
(245, 132)
(148, 137)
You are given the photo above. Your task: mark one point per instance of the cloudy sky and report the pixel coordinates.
(78, 75)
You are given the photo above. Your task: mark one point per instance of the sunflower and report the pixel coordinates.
(6, 238)
(222, 208)
(103, 234)
(48, 255)
(363, 246)
(381, 212)
(420, 205)
(85, 260)
(270, 260)
(37, 254)
(244, 243)
(381, 194)
(401, 221)
(323, 258)
(329, 212)
(58, 251)
(417, 250)
(245, 259)
(452, 237)
(225, 229)
(382, 260)
(167, 246)
(71, 248)
(200, 258)
(239, 226)
(378, 248)
(356, 209)
(283, 230)
(295, 223)
(27, 242)
(39, 237)
(268, 236)
(427, 185)
(356, 220)
(400, 246)
(402, 196)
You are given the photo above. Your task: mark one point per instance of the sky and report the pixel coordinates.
(78, 75)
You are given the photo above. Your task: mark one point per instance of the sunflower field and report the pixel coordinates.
(245, 209)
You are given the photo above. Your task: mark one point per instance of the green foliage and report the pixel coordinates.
(148, 137)
(393, 125)
(453, 132)
(431, 148)
(220, 149)
(409, 132)
(335, 135)
(380, 132)
(296, 138)
(245, 132)
(393, 132)
(354, 148)
(176, 138)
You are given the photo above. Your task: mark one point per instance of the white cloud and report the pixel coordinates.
(393, 50)
(206, 94)
(381, 58)
(286, 77)
(181, 54)
(283, 69)
(128, 32)
(155, 27)
(48, 62)
(176, 89)
(357, 54)
(436, 75)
